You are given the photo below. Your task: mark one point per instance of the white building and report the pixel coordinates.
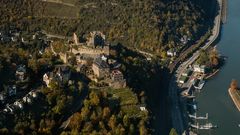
(171, 53)
(199, 69)
(47, 79)
(18, 104)
(27, 99)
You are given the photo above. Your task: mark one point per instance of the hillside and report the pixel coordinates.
(150, 25)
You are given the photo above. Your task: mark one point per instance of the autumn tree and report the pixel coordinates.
(234, 85)
(94, 99)
(76, 121)
(214, 57)
(112, 122)
(106, 112)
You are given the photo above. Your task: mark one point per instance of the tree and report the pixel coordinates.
(214, 57)
(93, 117)
(94, 99)
(131, 129)
(85, 113)
(88, 127)
(214, 62)
(76, 121)
(142, 130)
(112, 122)
(126, 120)
(33, 64)
(106, 112)
(203, 58)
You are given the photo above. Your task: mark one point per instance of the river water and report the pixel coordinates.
(214, 98)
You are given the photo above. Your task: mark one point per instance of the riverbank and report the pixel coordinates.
(235, 95)
(178, 116)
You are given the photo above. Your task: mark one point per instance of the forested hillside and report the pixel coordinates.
(151, 25)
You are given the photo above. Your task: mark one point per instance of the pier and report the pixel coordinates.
(198, 117)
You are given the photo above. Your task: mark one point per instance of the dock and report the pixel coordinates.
(199, 117)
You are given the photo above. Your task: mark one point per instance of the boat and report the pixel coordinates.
(195, 126)
(207, 126)
(200, 85)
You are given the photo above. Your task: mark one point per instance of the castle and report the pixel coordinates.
(93, 47)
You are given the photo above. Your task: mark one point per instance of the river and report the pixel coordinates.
(214, 98)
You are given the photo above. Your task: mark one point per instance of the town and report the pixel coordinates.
(76, 62)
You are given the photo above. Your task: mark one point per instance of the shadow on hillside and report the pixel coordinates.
(150, 77)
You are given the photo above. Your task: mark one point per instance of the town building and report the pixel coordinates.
(143, 108)
(21, 72)
(27, 99)
(9, 108)
(61, 75)
(18, 104)
(118, 80)
(33, 94)
(11, 90)
(185, 39)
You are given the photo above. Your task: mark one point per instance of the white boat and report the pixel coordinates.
(195, 126)
(207, 126)
(204, 127)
